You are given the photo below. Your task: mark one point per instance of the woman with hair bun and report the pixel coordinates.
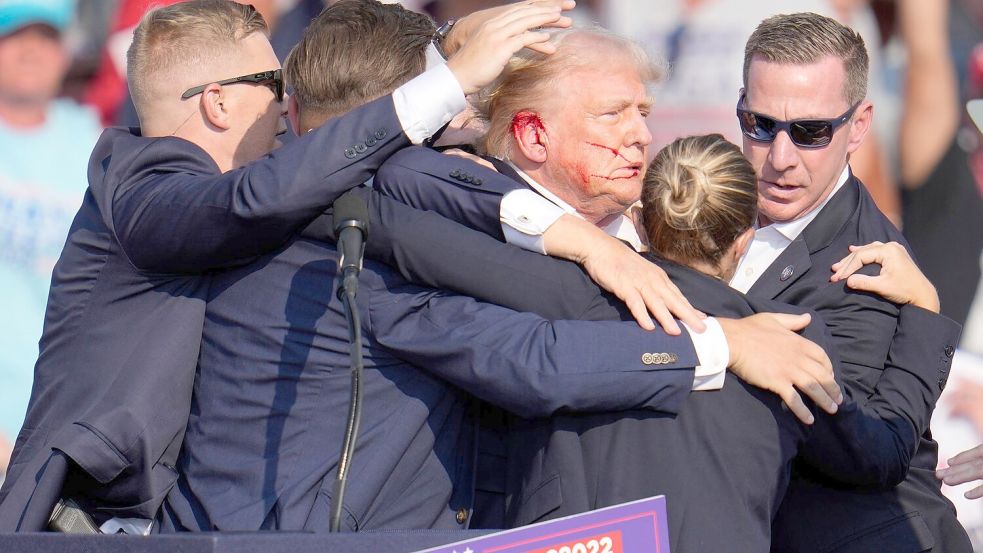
(699, 204)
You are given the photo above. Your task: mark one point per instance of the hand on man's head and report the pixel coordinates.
(488, 42)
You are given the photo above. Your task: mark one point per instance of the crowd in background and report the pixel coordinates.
(63, 79)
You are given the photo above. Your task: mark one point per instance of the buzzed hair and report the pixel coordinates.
(194, 33)
(804, 38)
(530, 76)
(353, 52)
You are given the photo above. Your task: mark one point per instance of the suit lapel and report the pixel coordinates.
(795, 261)
(785, 270)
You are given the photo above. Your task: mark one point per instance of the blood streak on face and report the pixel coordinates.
(613, 151)
(584, 174)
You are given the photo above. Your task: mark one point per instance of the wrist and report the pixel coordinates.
(445, 39)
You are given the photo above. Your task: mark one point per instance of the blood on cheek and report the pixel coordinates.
(585, 175)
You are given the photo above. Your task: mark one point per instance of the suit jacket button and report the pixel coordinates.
(370, 141)
(477, 182)
(350, 153)
(380, 134)
(455, 173)
(360, 148)
(949, 350)
(462, 516)
(648, 358)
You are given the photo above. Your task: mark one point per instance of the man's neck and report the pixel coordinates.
(567, 196)
(23, 115)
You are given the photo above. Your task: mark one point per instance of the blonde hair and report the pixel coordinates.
(698, 196)
(803, 38)
(188, 34)
(354, 52)
(530, 78)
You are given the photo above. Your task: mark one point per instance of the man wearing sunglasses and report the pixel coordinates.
(196, 189)
(803, 112)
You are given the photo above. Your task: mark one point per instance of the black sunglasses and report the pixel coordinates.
(805, 133)
(272, 79)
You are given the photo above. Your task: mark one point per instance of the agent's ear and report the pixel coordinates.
(293, 115)
(742, 244)
(215, 107)
(530, 136)
(860, 125)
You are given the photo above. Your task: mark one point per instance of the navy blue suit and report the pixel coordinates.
(913, 516)
(900, 407)
(123, 324)
(271, 394)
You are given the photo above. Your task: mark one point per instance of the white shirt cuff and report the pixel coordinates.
(428, 102)
(525, 216)
(433, 57)
(713, 353)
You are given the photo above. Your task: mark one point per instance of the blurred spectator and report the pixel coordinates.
(107, 92)
(44, 149)
(942, 206)
(703, 43)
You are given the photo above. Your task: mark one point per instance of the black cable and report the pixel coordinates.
(347, 294)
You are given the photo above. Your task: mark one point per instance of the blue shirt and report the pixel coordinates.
(42, 181)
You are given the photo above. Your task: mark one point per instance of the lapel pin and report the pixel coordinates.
(787, 273)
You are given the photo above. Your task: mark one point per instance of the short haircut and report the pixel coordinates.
(803, 38)
(698, 196)
(189, 34)
(356, 51)
(529, 79)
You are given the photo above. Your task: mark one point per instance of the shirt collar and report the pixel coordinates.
(792, 229)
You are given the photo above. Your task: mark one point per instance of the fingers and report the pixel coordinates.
(640, 311)
(859, 256)
(816, 389)
(794, 323)
(968, 456)
(960, 474)
(681, 308)
(796, 405)
(974, 493)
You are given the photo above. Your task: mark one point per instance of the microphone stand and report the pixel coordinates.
(350, 219)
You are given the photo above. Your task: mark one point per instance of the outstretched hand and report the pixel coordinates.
(965, 467)
(643, 286)
(900, 280)
(490, 38)
(766, 351)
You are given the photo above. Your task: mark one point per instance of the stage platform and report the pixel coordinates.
(236, 542)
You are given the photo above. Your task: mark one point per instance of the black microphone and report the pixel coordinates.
(351, 226)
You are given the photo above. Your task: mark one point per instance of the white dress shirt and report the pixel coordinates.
(428, 102)
(526, 215)
(769, 242)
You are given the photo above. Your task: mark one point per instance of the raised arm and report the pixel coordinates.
(186, 216)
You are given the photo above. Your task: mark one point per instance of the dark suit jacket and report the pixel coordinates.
(273, 386)
(914, 516)
(123, 324)
(540, 491)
